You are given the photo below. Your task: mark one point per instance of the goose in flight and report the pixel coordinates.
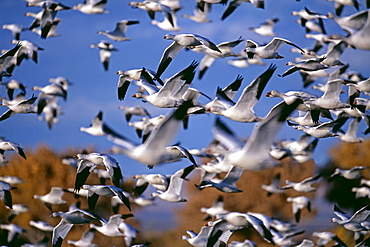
(85, 240)
(269, 51)
(70, 218)
(266, 28)
(92, 7)
(5, 194)
(110, 227)
(298, 204)
(180, 41)
(242, 110)
(155, 149)
(6, 58)
(23, 106)
(105, 52)
(88, 162)
(118, 34)
(167, 96)
(303, 186)
(11, 146)
(173, 192)
(54, 197)
(94, 191)
(255, 153)
(233, 4)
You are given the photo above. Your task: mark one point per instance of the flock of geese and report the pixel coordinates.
(317, 116)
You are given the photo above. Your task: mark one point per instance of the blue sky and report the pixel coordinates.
(95, 90)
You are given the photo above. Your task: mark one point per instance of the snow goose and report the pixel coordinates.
(354, 21)
(352, 223)
(232, 5)
(13, 85)
(155, 6)
(266, 28)
(11, 146)
(357, 38)
(284, 239)
(99, 128)
(85, 240)
(129, 232)
(110, 228)
(309, 65)
(237, 220)
(255, 154)
(325, 237)
(126, 77)
(16, 210)
(158, 181)
(28, 50)
(146, 125)
(363, 85)
(70, 218)
(16, 30)
(154, 149)
(227, 184)
(24, 106)
(216, 208)
(14, 231)
(105, 52)
(12, 180)
(88, 162)
(134, 110)
(339, 5)
(5, 194)
(52, 31)
(359, 192)
(211, 55)
(199, 239)
(302, 149)
(200, 16)
(92, 7)
(274, 186)
(180, 41)
(118, 34)
(353, 173)
(298, 204)
(94, 191)
(54, 197)
(331, 57)
(321, 131)
(52, 89)
(242, 110)
(173, 192)
(41, 225)
(269, 51)
(6, 58)
(165, 97)
(351, 134)
(303, 186)
(169, 22)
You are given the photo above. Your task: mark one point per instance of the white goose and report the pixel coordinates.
(70, 218)
(118, 34)
(92, 7)
(85, 240)
(54, 197)
(242, 110)
(5, 194)
(255, 154)
(94, 191)
(180, 41)
(269, 51)
(232, 5)
(105, 52)
(298, 204)
(216, 208)
(266, 28)
(6, 58)
(6, 145)
(155, 149)
(303, 186)
(173, 192)
(165, 97)
(88, 162)
(110, 228)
